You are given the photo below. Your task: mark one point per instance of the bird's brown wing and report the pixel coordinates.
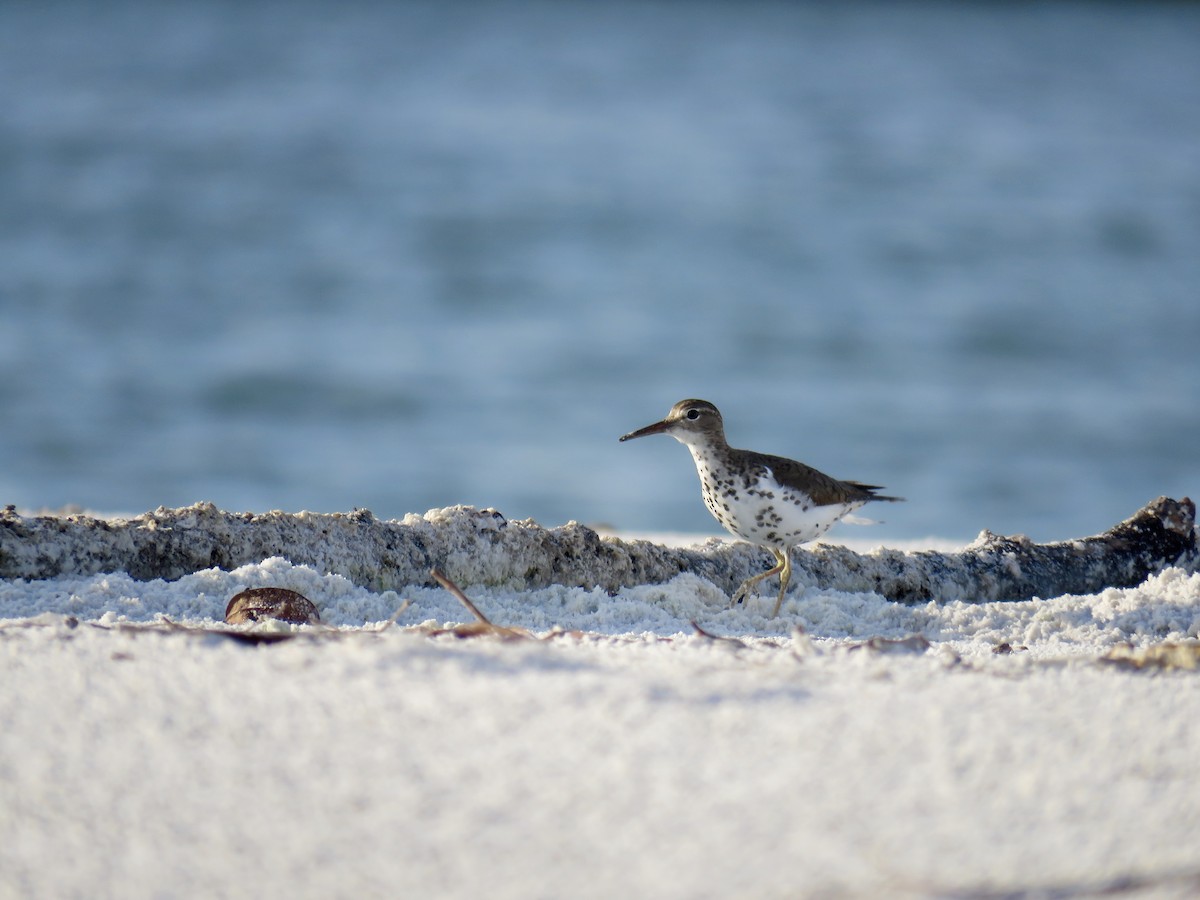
(824, 490)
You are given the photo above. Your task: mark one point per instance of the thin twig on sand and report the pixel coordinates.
(483, 625)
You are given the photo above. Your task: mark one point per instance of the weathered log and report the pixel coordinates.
(479, 547)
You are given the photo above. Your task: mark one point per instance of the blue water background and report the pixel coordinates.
(405, 255)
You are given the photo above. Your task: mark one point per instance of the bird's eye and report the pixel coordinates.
(693, 413)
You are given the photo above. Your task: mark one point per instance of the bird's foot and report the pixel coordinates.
(741, 594)
(799, 591)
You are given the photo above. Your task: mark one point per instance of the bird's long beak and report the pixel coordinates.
(656, 428)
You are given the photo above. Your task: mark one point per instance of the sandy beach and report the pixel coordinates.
(651, 743)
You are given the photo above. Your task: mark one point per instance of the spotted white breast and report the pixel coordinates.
(756, 508)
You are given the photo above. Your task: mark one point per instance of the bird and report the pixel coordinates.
(770, 501)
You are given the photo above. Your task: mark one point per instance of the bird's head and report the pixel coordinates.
(689, 422)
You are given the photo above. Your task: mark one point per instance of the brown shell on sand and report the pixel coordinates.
(271, 603)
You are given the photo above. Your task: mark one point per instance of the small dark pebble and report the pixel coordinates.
(271, 603)
(1006, 648)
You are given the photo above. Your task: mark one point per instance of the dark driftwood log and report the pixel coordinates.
(478, 547)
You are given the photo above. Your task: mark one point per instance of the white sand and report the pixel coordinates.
(636, 759)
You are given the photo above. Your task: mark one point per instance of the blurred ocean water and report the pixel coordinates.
(404, 255)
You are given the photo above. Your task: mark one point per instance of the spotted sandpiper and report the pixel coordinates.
(770, 501)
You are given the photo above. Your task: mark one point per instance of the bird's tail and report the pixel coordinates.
(872, 488)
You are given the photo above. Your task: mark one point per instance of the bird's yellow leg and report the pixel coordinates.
(785, 575)
(782, 564)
